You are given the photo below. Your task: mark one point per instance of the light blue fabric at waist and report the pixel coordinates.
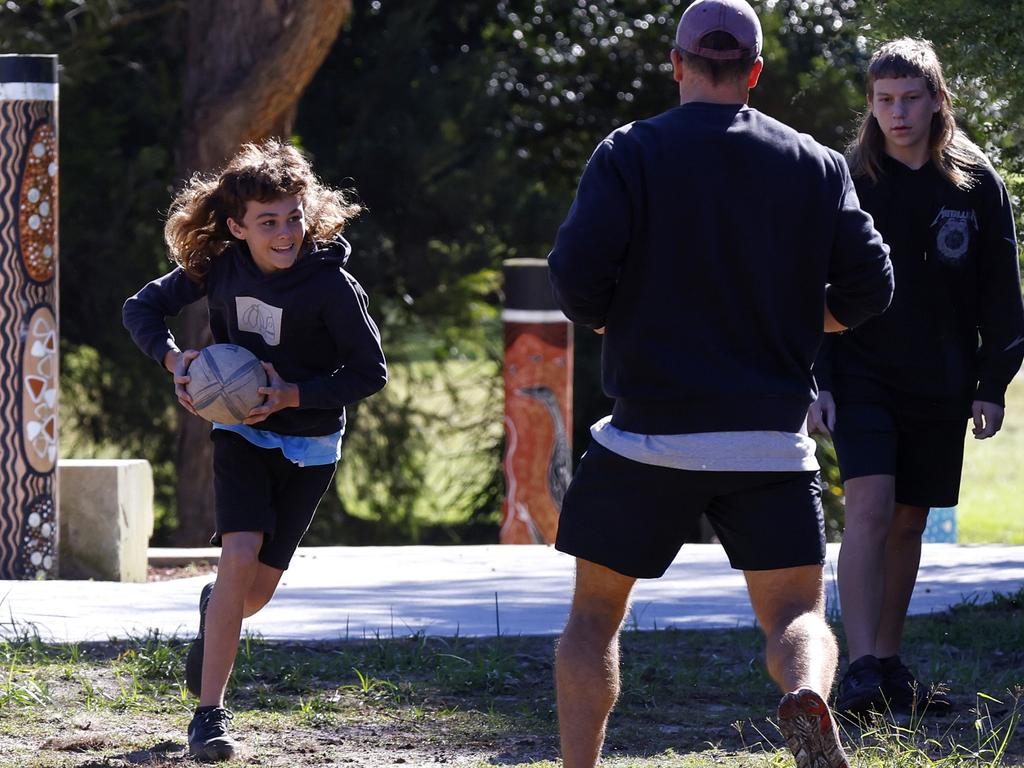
(304, 451)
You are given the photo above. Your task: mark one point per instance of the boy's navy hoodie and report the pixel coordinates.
(310, 321)
(702, 240)
(954, 252)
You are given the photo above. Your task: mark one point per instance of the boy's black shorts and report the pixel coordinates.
(919, 442)
(258, 489)
(632, 517)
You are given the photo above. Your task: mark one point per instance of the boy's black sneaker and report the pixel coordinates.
(208, 739)
(906, 694)
(194, 659)
(860, 690)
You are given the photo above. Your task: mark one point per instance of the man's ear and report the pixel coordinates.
(236, 229)
(677, 65)
(755, 73)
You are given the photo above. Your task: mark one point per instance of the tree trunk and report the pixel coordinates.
(248, 63)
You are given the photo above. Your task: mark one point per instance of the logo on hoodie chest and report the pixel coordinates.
(954, 236)
(254, 316)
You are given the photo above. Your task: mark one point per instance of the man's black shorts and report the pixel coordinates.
(258, 489)
(920, 443)
(632, 517)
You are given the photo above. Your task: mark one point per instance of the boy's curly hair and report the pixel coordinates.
(196, 230)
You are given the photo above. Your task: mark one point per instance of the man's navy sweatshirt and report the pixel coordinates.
(310, 321)
(702, 240)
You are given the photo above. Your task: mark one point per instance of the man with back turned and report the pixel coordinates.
(712, 246)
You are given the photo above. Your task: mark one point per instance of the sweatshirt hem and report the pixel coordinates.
(733, 414)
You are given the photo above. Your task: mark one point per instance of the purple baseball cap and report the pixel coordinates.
(733, 16)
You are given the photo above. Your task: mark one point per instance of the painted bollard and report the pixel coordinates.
(28, 303)
(538, 405)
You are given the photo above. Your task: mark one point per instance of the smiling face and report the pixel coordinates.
(903, 107)
(274, 232)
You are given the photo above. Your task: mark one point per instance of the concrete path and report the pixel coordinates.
(335, 593)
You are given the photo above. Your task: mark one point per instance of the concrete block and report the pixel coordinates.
(106, 518)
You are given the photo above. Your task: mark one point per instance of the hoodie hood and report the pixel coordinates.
(336, 250)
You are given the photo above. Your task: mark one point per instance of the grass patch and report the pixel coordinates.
(689, 699)
(993, 480)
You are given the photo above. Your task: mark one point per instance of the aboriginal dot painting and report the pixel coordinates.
(29, 339)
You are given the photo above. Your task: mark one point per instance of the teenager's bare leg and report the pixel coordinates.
(902, 560)
(800, 649)
(236, 573)
(870, 503)
(587, 661)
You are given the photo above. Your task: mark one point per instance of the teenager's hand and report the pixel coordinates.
(988, 418)
(177, 363)
(821, 416)
(280, 394)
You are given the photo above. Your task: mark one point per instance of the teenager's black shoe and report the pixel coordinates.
(208, 739)
(860, 690)
(907, 695)
(194, 659)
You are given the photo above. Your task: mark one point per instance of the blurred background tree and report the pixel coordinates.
(464, 127)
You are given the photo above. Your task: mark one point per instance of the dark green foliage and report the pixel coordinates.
(119, 100)
(464, 127)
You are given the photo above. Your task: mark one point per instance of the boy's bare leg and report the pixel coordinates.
(236, 574)
(262, 589)
(587, 661)
(870, 502)
(800, 649)
(902, 560)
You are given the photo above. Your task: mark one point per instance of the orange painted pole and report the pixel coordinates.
(28, 307)
(538, 405)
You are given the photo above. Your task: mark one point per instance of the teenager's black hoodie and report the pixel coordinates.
(310, 321)
(954, 255)
(702, 240)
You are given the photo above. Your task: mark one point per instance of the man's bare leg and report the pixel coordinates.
(587, 661)
(800, 649)
(801, 655)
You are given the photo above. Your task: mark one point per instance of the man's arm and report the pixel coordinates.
(860, 281)
(592, 241)
(831, 324)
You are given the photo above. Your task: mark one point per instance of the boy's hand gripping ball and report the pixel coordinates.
(224, 383)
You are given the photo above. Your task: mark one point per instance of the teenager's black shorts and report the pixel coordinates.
(258, 489)
(632, 517)
(920, 443)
